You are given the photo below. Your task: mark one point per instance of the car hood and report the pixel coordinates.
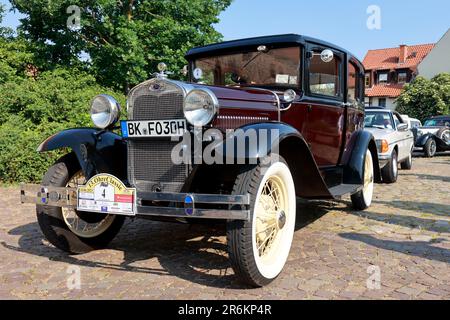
(432, 130)
(380, 133)
(229, 95)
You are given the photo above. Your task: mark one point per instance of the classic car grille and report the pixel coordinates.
(150, 166)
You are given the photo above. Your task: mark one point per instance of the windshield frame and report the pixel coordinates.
(252, 49)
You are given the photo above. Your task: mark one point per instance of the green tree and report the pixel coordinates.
(124, 39)
(425, 98)
(31, 109)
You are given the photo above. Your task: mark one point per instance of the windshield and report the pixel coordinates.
(382, 120)
(272, 68)
(437, 123)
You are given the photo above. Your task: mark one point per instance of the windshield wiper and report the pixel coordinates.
(376, 126)
(252, 59)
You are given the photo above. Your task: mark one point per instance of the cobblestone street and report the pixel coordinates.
(405, 235)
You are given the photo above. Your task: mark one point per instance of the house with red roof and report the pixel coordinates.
(388, 70)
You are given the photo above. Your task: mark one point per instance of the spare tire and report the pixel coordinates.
(444, 135)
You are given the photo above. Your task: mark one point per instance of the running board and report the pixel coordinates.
(344, 189)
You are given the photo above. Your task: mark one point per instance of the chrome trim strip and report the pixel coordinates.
(199, 198)
(196, 213)
(238, 118)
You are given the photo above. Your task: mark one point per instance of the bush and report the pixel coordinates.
(424, 98)
(33, 109)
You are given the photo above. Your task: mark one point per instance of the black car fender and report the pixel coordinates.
(97, 151)
(283, 139)
(354, 156)
(422, 140)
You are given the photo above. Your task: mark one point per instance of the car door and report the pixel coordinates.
(405, 138)
(324, 88)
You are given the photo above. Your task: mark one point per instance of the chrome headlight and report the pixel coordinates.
(105, 111)
(200, 107)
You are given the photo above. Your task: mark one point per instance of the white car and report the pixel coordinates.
(412, 122)
(395, 141)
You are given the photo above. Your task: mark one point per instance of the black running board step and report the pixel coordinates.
(344, 189)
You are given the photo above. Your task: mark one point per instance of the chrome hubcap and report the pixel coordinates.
(281, 221)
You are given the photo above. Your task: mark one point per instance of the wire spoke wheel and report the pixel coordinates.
(270, 210)
(74, 220)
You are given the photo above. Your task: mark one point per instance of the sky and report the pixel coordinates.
(343, 22)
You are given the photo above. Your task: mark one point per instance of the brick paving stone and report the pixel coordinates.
(406, 233)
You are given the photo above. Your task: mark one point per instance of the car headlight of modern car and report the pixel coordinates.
(105, 111)
(200, 107)
(382, 146)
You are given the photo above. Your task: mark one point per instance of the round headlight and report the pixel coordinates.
(289, 96)
(105, 111)
(200, 107)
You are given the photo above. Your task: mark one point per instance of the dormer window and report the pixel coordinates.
(402, 77)
(383, 77)
(367, 80)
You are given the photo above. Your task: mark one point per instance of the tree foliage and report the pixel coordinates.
(31, 109)
(124, 39)
(425, 98)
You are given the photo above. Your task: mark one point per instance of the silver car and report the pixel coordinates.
(395, 141)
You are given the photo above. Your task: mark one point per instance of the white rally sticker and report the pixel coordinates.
(107, 194)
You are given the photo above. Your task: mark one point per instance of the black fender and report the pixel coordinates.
(285, 140)
(422, 140)
(97, 151)
(354, 156)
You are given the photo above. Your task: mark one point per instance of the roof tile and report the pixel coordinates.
(385, 90)
(388, 59)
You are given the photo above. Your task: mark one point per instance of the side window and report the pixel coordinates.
(355, 84)
(397, 119)
(352, 84)
(324, 77)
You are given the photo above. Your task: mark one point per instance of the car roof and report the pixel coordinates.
(439, 117)
(377, 109)
(276, 40)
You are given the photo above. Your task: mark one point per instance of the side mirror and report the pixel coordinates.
(326, 55)
(402, 127)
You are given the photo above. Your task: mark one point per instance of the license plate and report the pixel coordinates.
(106, 194)
(153, 128)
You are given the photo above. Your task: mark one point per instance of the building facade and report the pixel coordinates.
(388, 70)
(438, 60)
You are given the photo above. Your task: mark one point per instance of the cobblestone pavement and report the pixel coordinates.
(405, 235)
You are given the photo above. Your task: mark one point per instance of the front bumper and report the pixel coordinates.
(383, 159)
(153, 204)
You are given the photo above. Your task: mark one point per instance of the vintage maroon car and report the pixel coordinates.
(260, 122)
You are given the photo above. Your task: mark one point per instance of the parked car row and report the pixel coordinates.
(398, 136)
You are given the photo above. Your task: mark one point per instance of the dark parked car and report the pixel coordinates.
(433, 136)
(260, 122)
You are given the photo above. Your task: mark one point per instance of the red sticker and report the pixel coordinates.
(123, 198)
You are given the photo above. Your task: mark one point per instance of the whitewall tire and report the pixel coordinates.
(259, 248)
(363, 198)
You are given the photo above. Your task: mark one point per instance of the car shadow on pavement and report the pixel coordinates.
(196, 253)
(422, 207)
(428, 177)
(422, 249)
